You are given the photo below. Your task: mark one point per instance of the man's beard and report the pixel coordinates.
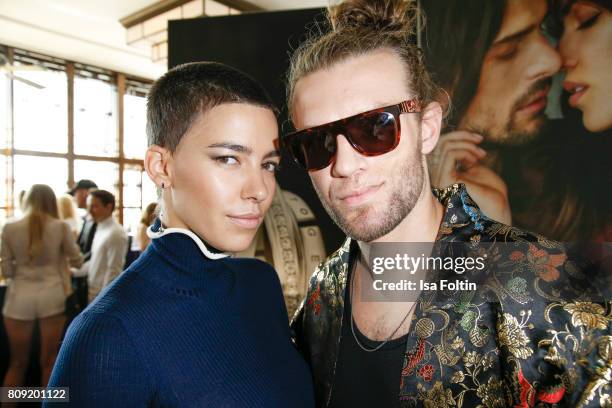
(512, 133)
(368, 224)
(516, 135)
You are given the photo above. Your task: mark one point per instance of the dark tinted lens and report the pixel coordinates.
(314, 150)
(373, 133)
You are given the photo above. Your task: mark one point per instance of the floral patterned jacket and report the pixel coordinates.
(525, 338)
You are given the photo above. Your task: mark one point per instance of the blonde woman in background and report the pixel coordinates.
(148, 216)
(67, 213)
(34, 252)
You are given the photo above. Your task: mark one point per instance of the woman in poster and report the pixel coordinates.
(585, 49)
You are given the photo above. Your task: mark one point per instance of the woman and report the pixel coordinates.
(148, 216)
(187, 324)
(585, 50)
(34, 252)
(67, 213)
(585, 42)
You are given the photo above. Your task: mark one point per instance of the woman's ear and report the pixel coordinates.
(156, 163)
(431, 125)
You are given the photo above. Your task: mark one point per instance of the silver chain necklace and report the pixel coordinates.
(364, 348)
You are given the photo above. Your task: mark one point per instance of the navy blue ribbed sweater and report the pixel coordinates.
(177, 329)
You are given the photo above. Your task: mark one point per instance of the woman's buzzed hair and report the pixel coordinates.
(184, 92)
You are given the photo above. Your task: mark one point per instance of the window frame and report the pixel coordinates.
(120, 80)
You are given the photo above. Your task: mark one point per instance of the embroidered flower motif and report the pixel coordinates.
(426, 372)
(587, 314)
(413, 358)
(492, 393)
(545, 264)
(526, 391)
(458, 377)
(438, 397)
(517, 256)
(457, 343)
(511, 334)
(313, 300)
(468, 319)
(517, 285)
(487, 362)
(471, 358)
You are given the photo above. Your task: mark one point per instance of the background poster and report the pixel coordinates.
(501, 64)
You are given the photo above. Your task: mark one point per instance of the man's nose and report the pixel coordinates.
(347, 160)
(546, 61)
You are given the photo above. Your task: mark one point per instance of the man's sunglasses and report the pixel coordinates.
(371, 133)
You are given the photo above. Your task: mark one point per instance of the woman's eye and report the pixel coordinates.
(271, 167)
(588, 22)
(229, 160)
(585, 15)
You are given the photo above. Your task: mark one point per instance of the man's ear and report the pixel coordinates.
(156, 163)
(431, 125)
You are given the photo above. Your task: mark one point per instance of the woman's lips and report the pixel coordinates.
(246, 221)
(576, 89)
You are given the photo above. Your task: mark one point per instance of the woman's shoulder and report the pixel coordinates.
(57, 222)
(99, 346)
(15, 223)
(260, 275)
(250, 265)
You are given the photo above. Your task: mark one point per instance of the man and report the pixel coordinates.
(366, 116)
(79, 192)
(498, 72)
(109, 245)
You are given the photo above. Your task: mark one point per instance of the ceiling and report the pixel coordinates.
(89, 30)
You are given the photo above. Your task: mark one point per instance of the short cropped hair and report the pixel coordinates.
(105, 197)
(181, 94)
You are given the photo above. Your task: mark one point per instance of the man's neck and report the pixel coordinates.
(104, 220)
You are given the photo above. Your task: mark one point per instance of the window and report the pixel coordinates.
(4, 111)
(95, 117)
(134, 122)
(31, 170)
(5, 171)
(105, 174)
(65, 127)
(40, 115)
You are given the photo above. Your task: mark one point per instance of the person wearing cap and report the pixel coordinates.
(79, 192)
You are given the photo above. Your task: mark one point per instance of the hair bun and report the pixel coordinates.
(379, 15)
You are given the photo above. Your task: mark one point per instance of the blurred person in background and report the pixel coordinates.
(109, 246)
(79, 192)
(34, 252)
(148, 216)
(67, 213)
